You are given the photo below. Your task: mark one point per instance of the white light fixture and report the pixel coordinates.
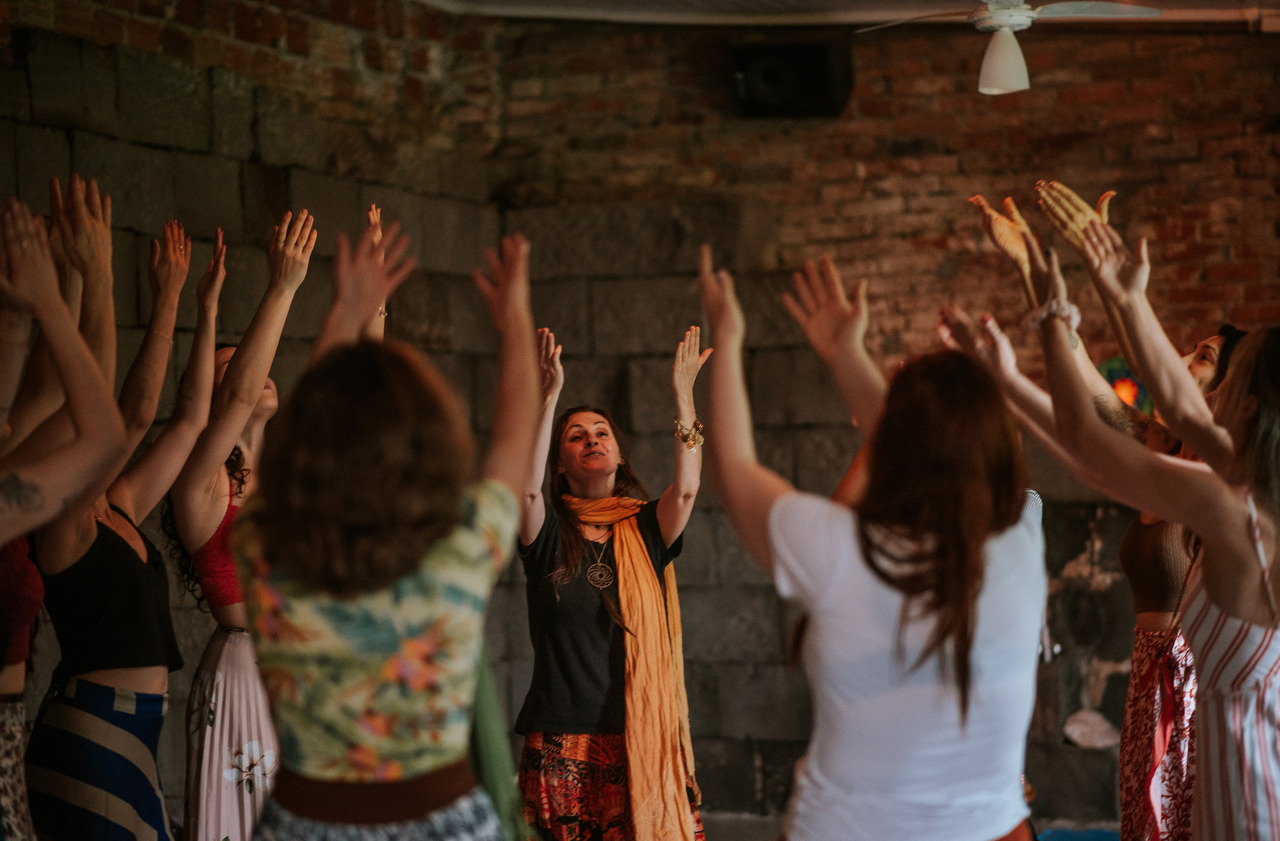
(1004, 70)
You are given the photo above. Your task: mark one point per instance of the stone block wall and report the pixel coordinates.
(615, 149)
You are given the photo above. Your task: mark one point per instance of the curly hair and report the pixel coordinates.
(945, 472)
(362, 469)
(238, 473)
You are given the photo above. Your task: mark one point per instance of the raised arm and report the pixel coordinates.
(376, 327)
(836, 328)
(1013, 236)
(518, 400)
(199, 492)
(84, 221)
(147, 480)
(364, 277)
(167, 274)
(35, 490)
(532, 508)
(746, 488)
(1121, 277)
(41, 394)
(1031, 405)
(676, 503)
(15, 334)
(1175, 489)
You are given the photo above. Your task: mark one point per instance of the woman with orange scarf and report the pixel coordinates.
(606, 723)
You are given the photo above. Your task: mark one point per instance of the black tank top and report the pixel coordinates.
(110, 610)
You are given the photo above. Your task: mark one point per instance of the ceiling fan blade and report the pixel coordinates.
(933, 16)
(1094, 10)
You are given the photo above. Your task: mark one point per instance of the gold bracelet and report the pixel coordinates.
(691, 437)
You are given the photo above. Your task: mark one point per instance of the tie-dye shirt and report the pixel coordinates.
(379, 686)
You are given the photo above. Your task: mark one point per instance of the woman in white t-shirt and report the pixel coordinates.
(925, 599)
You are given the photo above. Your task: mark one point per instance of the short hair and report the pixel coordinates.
(362, 469)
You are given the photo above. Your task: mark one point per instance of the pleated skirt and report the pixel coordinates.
(232, 751)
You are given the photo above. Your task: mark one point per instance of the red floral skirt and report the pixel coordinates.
(574, 787)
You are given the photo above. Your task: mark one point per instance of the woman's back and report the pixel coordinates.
(889, 756)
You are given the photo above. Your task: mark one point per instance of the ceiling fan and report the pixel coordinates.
(1004, 70)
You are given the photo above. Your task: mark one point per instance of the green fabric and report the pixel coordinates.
(491, 753)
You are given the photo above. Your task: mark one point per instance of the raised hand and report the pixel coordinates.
(1117, 273)
(830, 321)
(28, 278)
(506, 285)
(71, 278)
(290, 250)
(364, 277)
(549, 367)
(1009, 233)
(986, 342)
(1069, 213)
(170, 262)
(210, 285)
(719, 300)
(375, 223)
(85, 224)
(689, 361)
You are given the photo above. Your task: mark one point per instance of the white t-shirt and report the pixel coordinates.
(888, 757)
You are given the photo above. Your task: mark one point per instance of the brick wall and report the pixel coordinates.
(616, 150)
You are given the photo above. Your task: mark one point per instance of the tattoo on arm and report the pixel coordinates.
(1073, 339)
(20, 495)
(1141, 427)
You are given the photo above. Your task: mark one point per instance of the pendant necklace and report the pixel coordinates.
(599, 575)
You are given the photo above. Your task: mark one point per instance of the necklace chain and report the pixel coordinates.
(599, 575)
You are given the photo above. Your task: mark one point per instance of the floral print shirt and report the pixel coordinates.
(379, 686)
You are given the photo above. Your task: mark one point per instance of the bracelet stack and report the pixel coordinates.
(691, 436)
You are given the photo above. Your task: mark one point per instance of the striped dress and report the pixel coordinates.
(1237, 718)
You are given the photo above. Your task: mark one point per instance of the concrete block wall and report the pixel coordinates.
(229, 164)
(615, 149)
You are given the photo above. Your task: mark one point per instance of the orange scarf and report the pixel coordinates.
(659, 752)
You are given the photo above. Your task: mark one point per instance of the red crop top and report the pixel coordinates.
(21, 594)
(214, 566)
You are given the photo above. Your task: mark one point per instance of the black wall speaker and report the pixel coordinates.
(791, 80)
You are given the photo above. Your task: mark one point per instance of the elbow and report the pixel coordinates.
(687, 490)
(138, 421)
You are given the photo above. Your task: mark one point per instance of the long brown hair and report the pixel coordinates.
(573, 546)
(362, 469)
(945, 473)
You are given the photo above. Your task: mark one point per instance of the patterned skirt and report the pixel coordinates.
(91, 765)
(1155, 796)
(469, 818)
(231, 744)
(574, 787)
(15, 817)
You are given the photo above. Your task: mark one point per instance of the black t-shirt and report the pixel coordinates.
(579, 651)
